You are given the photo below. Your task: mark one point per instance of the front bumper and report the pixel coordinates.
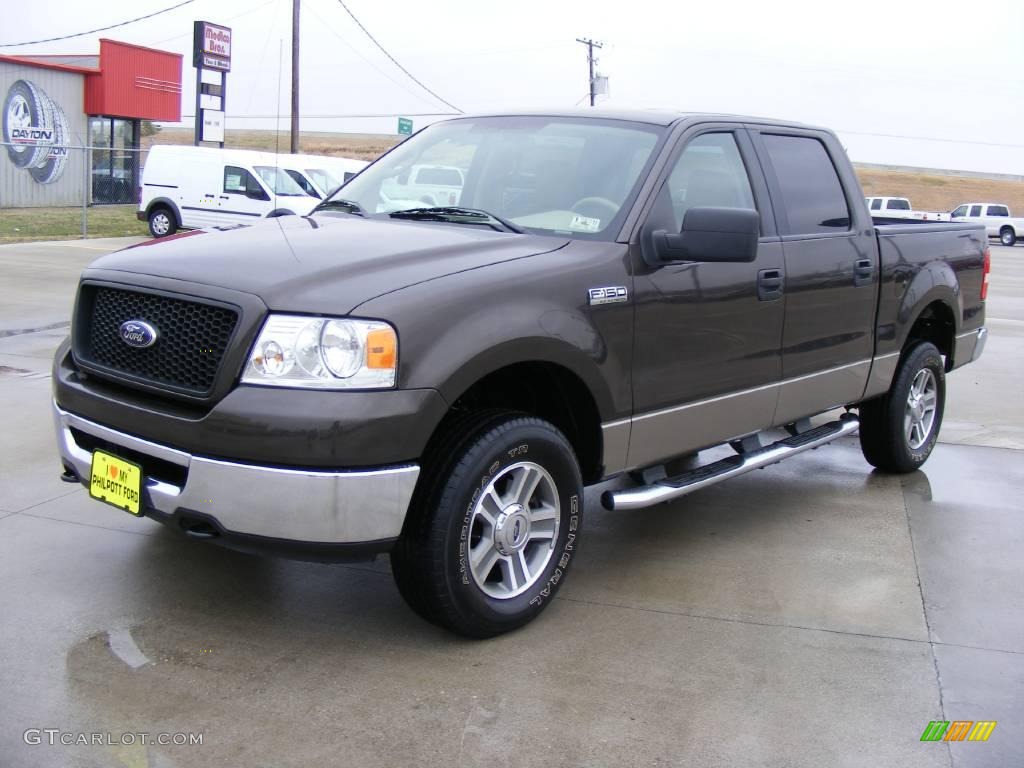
(247, 504)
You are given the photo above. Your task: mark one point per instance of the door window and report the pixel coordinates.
(876, 204)
(898, 204)
(975, 210)
(708, 173)
(998, 210)
(809, 184)
(239, 181)
(961, 211)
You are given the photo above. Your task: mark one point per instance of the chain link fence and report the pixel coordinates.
(56, 191)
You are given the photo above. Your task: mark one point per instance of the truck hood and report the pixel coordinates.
(328, 263)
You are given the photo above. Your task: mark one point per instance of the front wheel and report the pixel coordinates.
(493, 527)
(161, 222)
(1007, 236)
(899, 429)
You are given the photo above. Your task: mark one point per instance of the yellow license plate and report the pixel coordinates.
(116, 482)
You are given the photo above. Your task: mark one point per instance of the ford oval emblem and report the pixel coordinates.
(138, 334)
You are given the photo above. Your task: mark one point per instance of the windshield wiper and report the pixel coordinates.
(348, 206)
(459, 216)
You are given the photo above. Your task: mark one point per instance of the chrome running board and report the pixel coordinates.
(673, 487)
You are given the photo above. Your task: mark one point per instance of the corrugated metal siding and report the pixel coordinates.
(18, 188)
(136, 83)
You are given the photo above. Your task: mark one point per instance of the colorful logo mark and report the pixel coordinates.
(958, 730)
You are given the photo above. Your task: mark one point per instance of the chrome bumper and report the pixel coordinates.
(308, 506)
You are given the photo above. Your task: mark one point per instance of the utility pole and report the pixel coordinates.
(591, 45)
(295, 76)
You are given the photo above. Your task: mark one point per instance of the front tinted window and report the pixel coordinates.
(998, 210)
(708, 173)
(898, 204)
(809, 183)
(240, 181)
(876, 204)
(569, 176)
(961, 211)
(975, 210)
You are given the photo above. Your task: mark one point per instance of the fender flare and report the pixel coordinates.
(165, 202)
(936, 282)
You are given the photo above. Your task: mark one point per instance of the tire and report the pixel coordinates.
(889, 438)
(162, 222)
(1007, 236)
(51, 168)
(466, 508)
(26, 107)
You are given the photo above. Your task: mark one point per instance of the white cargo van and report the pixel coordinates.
(196, 187)
(319, 175)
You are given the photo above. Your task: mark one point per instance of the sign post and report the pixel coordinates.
(211, 52)
(404, 126)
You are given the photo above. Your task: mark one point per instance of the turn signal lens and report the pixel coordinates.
(381, 349)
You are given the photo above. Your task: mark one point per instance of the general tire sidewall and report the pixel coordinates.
(924, 356)
(41, 118)
(170, 222)
(526, 443)
(1008, 237)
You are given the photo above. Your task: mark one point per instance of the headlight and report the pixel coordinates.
(323, 353)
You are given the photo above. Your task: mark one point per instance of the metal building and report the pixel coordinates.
(71, 124)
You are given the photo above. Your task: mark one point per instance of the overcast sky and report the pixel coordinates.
(948, 79)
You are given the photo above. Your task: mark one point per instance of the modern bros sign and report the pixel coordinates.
(211, 46)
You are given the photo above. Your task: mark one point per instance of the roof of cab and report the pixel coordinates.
(663, 117)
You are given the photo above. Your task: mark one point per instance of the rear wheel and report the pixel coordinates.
(494, 525)
(161, 222)
(1007, 236)
(898, 430)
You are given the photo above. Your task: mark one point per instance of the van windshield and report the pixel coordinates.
(323, 179)
(279, 182)
(550, 175)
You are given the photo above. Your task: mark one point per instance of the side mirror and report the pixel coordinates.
(711, 234)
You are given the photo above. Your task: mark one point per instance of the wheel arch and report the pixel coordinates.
(164, 202)
(543, 385)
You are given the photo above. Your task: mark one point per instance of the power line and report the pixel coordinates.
(100, 29)
(395, 61)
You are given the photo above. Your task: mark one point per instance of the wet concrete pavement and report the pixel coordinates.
(811, 614)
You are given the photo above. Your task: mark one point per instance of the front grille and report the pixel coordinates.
(192, 338)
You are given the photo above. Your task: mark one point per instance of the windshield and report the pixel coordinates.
(323, 179)
(564, 176)
(280, 183)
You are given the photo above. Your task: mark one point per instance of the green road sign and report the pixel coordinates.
(404, 126)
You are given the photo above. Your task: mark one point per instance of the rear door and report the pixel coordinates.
(831, 262)
(707, 335)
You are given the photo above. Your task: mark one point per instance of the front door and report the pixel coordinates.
(243, 199)
(831, 272)
(707, 335)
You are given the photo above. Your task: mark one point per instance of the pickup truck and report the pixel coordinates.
(617, 292)
(430, 184)
(900, 208)
(996, 218)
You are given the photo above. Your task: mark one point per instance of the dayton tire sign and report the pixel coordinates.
(36, 132)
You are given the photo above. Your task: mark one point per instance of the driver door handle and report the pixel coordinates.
(771, 284)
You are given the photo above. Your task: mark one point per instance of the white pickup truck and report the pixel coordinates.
(996, 218)
(432, 185)
(900, 208)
